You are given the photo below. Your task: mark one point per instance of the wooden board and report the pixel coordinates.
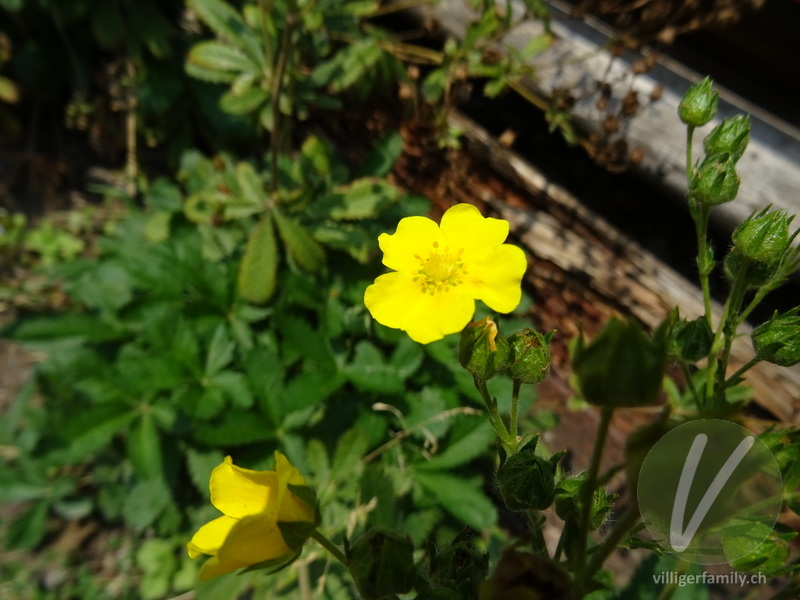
(614, 267)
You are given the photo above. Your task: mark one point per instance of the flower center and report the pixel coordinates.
(441, 269)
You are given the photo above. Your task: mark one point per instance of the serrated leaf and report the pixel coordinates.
(92, 430)
(243, 103)
(207, 405)
(145, 502)
(257, 271)
(27, 530)
(462, 450)
(351, 448)
(361, 199)
(234, 386)
(370, 373)
(381, 159)
(144, 448)
(200, 464)
(234, 428)
(460, 497)
(407, 357)
(220, 351)
(347, 66)
(250, 183)
(304, 249)
(216, 56)
(227, 23)
(74, 327)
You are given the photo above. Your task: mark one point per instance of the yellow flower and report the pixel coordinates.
(439, 272)
(252, 503)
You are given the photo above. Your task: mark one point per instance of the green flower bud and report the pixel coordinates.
(455, 570)
(530, 356)
(690, 340)
(778, 340)
(526, 480)
(524, 576)
(481, 351)
(699, 104)
(761, 244)
(715, 181)
(621, 366)
(729, 137)
(382, 564)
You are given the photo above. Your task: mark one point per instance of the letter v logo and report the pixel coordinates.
(680, 538)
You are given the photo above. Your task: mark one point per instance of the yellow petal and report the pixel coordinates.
(497, 279)
(252, 540)
(463, 226)
(396, 301)
(431, 317)
(239, 492)
(414, 236)
(211, 536)
(214, 568)
(291, 508)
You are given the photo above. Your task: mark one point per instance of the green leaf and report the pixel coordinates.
(360, 199)
(157, 227)
(91, 430)
(380, 162)
(257, 272)
(370, 373)
(234, 386)
(164, 195)
(145, 502)
(27, 530)
(305, 251)
(72, 327)
(220, 351)
(216, 56)
(251, 185)
(347, 66)
(144, 448)
(227, 23)
(156, 559)
(243, 103)
(407, 357)
(200, 464)
(462, 450)
(235, 428)
(463, 498)
(351, 448)
(646, 582)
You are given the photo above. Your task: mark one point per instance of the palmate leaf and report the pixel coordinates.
(257, 272)
(303, 249)
(227, 23)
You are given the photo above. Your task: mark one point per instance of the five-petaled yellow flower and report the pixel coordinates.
(252, 503)
(440, 270)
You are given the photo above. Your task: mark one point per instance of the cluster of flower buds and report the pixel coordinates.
(714, 181)
(778, 340)
(523, 357)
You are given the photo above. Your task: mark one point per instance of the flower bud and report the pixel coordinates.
(523, 576)
(529, 361)
(778, 340)
(481, 351)
(729, 137)
(699, 104)
(382, 564)
(526, 480)
(690, 340)
(621, 366)
(569, 502)
(455, 570)
(715, 181)
(760, 246)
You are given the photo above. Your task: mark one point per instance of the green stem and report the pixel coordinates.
(751, 363)
(727, 329)
(587, 493)
(690, 382)
(539, 545)
(277, 91)
(494, 417)
(329, 546)
(610, 543)
(514, 409)
(689, 166)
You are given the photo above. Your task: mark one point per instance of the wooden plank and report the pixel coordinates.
(770, 169)
(616, 268)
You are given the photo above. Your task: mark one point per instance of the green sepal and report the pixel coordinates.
(295, 533)
(274, 564)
